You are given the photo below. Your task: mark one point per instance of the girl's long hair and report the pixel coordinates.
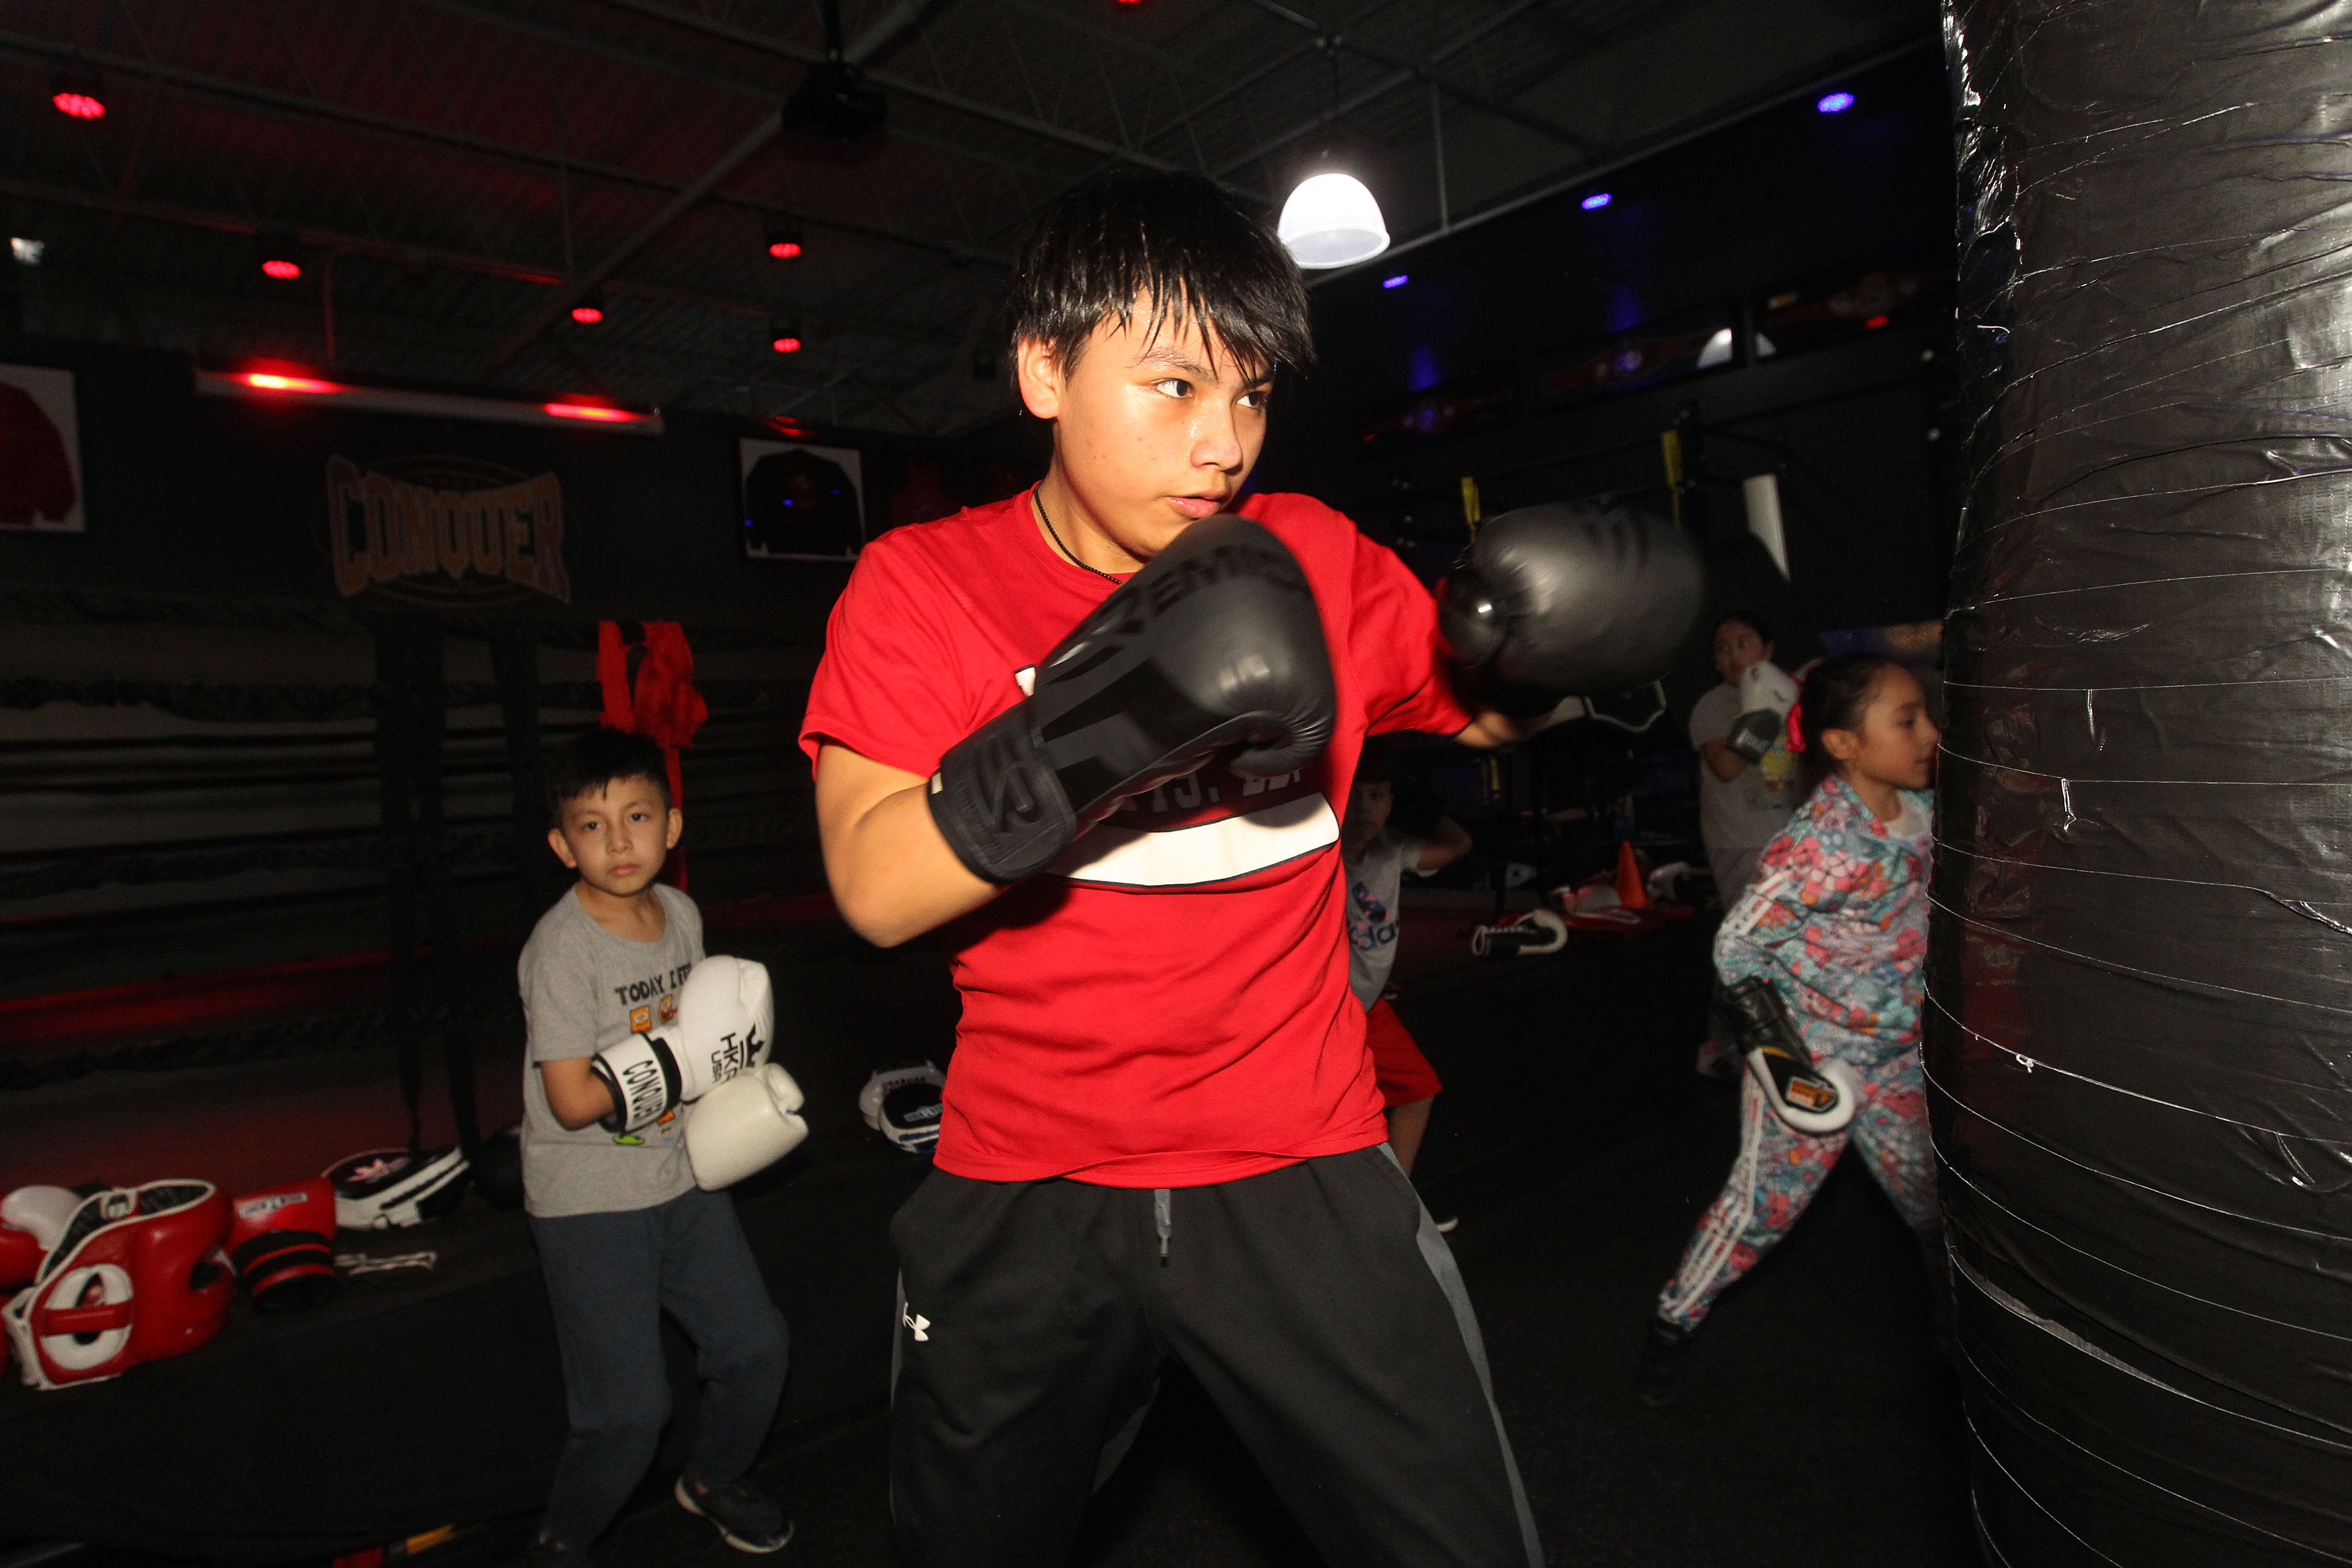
(1836, 695)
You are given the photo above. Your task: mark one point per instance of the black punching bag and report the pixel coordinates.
(2139, 1027)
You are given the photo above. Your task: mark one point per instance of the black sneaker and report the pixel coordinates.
(545, 1551)
(747, 1518)
(1666, 1356)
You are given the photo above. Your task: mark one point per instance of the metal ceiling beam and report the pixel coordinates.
(759, 139)
(326, 239)
(1425, 70)
(763, 91)
(899, 21)
(295, 106)
(1379, 89)
(750, 38)
(414, 255)
(1816, 77)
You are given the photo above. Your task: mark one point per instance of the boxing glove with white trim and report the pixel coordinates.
(1215, 645)
(726, 1016)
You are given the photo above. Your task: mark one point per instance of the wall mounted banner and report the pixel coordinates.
(444, 533)
(40, 450)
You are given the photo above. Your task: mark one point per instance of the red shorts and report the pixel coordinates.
(1404, 1074)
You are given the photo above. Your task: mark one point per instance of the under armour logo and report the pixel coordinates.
(921, 1324)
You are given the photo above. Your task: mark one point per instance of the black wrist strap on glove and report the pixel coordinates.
(997, 802)
(1215, 645)
(1767, 1030)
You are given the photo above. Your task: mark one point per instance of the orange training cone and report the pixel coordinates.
(1630, 891)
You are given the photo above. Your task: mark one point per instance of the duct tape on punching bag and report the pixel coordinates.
(2139, 1023)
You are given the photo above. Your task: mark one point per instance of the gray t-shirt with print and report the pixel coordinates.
(584, 989)
(1375, 881)
(1747, 812)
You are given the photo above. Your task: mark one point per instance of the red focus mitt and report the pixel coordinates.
(281, 1242)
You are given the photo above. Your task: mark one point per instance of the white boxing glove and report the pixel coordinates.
(726, 1014)
(743, 1125)
(32, 1219)
(1766, 692)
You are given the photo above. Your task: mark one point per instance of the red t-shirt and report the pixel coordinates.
(1168, 1006)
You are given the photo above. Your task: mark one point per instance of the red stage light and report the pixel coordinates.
(784, 249)
(282, 268)
(1873, 325)
(587, 315)
(594, 412)
(79, 105)
(787, 344)
(270, 381)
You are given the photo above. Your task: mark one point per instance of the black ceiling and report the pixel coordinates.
(458, 172)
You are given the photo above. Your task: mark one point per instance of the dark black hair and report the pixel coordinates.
(1174, 240)
(1836, 696)
(1749, 618)
(594, 758)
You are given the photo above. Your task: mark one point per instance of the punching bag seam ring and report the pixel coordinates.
(2292, 906)
(2111, 1176)
(2143, 583)
(2199, 784)
(1955, 1173)
(2073, 1340)
(2039, 1064)
(1986, 1450)
(2110, 967)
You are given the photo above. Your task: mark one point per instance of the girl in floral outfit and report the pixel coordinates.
(1836, 919)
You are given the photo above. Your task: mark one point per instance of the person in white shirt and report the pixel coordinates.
(1741, 805)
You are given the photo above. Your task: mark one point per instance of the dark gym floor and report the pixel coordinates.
(1818, 1425)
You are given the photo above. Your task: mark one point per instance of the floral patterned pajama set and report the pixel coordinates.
(1836, 919)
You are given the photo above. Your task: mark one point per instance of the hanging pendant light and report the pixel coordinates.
(1331, 220)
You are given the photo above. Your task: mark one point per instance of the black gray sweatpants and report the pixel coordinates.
(1318, 1304)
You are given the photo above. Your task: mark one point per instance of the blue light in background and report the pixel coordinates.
(1596, 201)
(1835, 103)
(1625, 312)
(1398, 282)
(1425, 374)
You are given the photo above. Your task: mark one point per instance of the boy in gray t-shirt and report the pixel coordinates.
(1374, 855)
(624, 1233)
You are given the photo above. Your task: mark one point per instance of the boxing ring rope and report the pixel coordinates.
(326, 746)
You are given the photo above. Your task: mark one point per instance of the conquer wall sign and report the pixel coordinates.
(445, 531)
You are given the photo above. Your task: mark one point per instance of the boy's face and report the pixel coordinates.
(1150, 433)
(616, 836)
(1737, 646)
(1368, 807)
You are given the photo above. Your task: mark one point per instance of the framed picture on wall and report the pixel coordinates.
(801, 503)
(40, 450)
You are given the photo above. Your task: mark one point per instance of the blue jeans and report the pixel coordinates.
(610, 1277)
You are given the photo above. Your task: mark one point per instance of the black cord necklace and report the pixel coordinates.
(1038, 497)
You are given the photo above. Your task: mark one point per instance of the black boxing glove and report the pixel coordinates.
(1215, 643)
(1569, 599)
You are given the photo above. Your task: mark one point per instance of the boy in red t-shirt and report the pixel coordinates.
(1161, 1134)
